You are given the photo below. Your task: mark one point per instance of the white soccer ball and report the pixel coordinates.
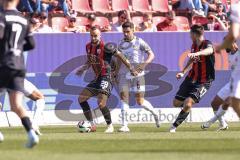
(84, 126)
(1, 137)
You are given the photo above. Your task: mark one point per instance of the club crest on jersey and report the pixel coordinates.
(98, 51)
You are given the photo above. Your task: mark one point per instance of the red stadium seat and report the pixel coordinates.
(81, 6)
(101, 6)
(118, 5)
(81, 21)
(182, 23)
(137, 20)
(234, 1)
(102, 22)
(225, 3)
(160, 5)
(199, 20)
(141, 5)
(59, 23)
(158, 19)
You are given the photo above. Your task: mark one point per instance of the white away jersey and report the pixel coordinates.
(134, 50)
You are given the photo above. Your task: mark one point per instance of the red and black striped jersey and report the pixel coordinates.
(99, 60)
(203, 66)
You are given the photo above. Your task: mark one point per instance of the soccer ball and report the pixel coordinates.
(84, 126)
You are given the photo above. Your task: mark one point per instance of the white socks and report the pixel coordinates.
(124, 110)
(148, 106)
(37, 115)
(218, 115)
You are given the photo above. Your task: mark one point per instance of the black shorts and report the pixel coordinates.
(11, 79)
(194, 90)
(100, 85)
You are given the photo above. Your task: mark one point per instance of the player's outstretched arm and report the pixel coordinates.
(179, 75)
(208, 51)
(82, 68)
(230, 38)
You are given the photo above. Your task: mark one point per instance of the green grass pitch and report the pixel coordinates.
(144, 142)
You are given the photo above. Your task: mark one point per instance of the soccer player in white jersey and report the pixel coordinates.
(221, 101)
(31, 91)
(234, 35)
(134, 49)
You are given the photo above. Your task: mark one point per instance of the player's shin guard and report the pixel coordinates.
(38, 110)
(181, 117)
(106, 114)
(26, 123)
(148, 106)
(87, 111)
(124, 110)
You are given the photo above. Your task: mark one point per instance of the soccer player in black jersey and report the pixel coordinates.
(15, 38)
(199, 78)
(99, 57)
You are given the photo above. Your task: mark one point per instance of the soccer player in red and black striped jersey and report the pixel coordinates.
(99, 57)
(199, 78)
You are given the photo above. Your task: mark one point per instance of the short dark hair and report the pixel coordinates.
(94, 28)
(128, 24)
(121, 12)
(197, 29)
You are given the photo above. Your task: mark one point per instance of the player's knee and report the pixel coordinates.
(82, 98)
(36, 96)
(101, 104)
(177, 103)
(188, 104)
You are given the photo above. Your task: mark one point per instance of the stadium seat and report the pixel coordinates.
(160, 5)
(101, 6)
(81, 6)
(158, 19)
(81, 21)
(182, 23)
(234, 1)
(141, 6)
(199, 20)
(137, 20)
(59, 23)
(102, 21)
(225, 2)
(118, 5)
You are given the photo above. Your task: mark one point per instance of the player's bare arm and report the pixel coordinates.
(142, 66)
(205, 52)
(83, 68)
(179, 75)
(230, 38)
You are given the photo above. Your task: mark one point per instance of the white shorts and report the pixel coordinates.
(224, 92)
(132, 85)
(28, 88)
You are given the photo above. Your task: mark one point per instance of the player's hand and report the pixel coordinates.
(80, 70)
(139, 68)
(179, 75)
(134, 72)
(193, 55)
